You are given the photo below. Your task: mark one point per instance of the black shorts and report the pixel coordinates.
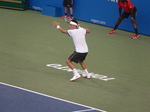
(77, 57)
(126, 15)
(68, 3)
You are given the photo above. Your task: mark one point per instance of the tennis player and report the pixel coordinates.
(81, 49)
(129, 10)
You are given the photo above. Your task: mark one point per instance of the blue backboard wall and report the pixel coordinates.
(103, 12)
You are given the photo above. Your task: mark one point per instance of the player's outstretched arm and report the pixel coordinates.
(87, 30)
(56, 24)
(120, 11)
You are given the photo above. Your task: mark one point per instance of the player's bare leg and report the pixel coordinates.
(76, 74)
(86, 73)
(116, 25)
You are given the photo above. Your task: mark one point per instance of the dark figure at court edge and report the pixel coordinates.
(129, 10)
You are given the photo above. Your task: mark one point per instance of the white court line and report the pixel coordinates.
(52, 97)
(84, 110)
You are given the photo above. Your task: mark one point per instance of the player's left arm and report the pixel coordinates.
(132, 13)
(131, 7)
(119, 8)
(120, 11)
(87, 30)
(57, 25)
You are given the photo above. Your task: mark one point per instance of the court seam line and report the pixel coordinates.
(50, 96)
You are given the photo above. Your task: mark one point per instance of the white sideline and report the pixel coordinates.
(52, 97)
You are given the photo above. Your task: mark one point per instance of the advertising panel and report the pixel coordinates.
(103, 12)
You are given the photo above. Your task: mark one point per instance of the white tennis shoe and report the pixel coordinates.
(75, 77)
(88, 76)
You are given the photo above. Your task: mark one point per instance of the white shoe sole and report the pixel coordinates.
(73, 79)
(86, 77)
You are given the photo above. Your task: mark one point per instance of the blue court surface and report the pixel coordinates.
(16, 99)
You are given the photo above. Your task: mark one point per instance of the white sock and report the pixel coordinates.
(75, 71)
(86, 71)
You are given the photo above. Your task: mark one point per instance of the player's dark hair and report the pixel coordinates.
(74, 21)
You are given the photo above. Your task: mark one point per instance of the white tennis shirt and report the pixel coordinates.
(78, 36)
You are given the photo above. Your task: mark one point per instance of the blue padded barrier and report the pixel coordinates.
(52, 11)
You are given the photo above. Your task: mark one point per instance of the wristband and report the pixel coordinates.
(57, 26)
